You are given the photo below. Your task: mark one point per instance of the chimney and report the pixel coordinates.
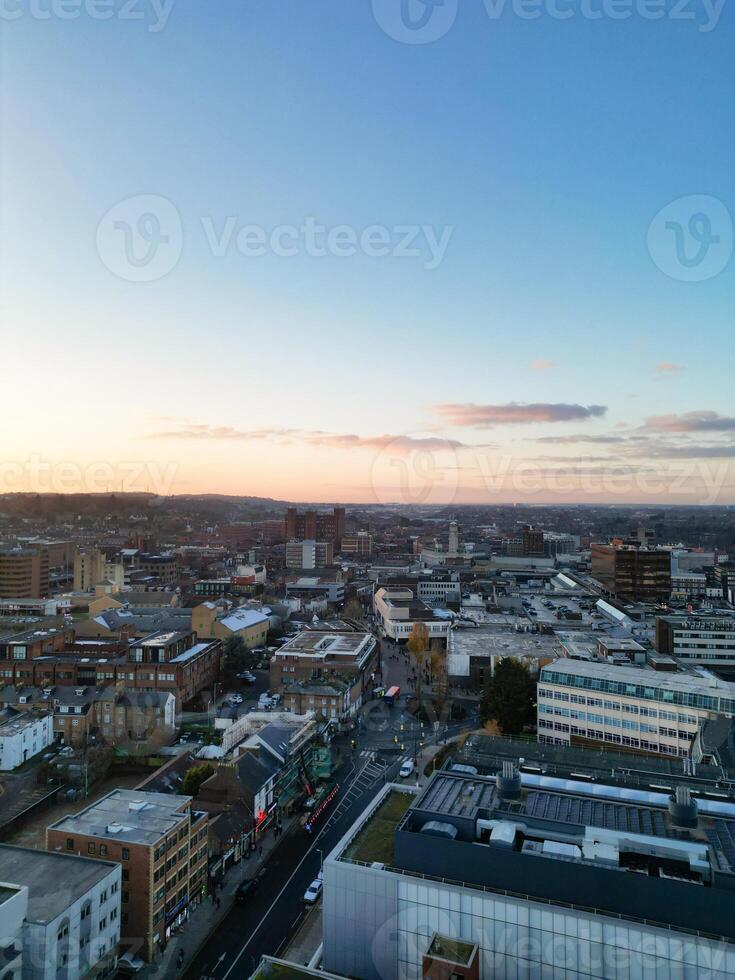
(508, 782)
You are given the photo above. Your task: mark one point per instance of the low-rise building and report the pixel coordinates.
(397, 611)
(160, 843)
(71, 927)
(13, 907)
(249, 625)
(23, 734)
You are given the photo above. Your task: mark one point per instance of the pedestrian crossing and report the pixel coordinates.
(366, 778)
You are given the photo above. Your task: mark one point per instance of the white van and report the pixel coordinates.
(406, 769)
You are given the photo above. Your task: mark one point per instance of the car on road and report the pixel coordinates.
(406, 769)
(313, 892)
(247, 677)
(245, 890)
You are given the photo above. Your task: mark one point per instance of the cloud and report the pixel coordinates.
(400, 444)
(668, 367)
(542, 364)
(579, 437)
(702, 421)
(515, 413)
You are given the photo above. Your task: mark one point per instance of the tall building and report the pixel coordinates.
(89, 569)
(24, 573)
(358, 543)
(315, 526)
(632, 574)
(527, 875)
(309, 554)
(453, 544)
(630, 708)
(159, 841)
(71, 927)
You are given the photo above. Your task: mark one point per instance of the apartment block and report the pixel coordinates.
(309, 554)
(23, 734)
(160, 843)
(315, 525)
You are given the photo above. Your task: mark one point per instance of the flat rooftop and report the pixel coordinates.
(38, 869)
(323, 644)
(375, 841)
(128, 815)
(699, 679)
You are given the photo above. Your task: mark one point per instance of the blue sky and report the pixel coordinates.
(545, 147)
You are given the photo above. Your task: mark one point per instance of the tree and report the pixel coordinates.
(195, 777)
(509, 697)
(418, 646)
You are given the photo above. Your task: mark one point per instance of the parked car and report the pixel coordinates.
(313, 892)
(237, 699)
(245, 890)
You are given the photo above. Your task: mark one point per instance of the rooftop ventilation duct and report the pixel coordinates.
(683, 808)
(508, 782)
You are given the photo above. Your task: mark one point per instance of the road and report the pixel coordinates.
(262, 927)
(265, 925)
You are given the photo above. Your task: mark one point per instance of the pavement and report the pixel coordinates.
(207, 917)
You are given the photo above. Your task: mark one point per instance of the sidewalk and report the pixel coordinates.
(206, 917)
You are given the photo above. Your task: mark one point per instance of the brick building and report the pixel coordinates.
(160, 842)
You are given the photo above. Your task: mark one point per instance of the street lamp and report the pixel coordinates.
(321, 858)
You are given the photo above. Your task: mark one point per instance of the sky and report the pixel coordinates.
(369, 250)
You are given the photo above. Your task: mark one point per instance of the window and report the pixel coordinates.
(70, 843)
(91, 848)
(126, 853)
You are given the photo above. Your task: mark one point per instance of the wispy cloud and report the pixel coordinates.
(515, 413)
(397, 443)
(702, 421)
(579, 437)
(668, 367)
(542, 364)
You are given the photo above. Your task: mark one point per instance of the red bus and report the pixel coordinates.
(392, 695)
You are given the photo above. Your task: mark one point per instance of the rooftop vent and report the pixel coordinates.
(683, 808)
(136, 805)
(508, 782)
(114, 828)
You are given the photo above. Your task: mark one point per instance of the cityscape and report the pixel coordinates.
(367, 490)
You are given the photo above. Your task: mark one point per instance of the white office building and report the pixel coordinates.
(591, 703)
(71, 926)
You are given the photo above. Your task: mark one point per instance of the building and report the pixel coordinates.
(330, 584)
(397, 611)
(160, 842)
(705, 639)
(309, 554)
(315, 525)
(71, 927)
(358, 543)
(249, 625)
(690, 585)
(13, 907)
(89, 569)
(22, 735)
(632, 574)
(524, 875)
(319, 657)
(630, 708)
(435, 589)
(24, 573)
